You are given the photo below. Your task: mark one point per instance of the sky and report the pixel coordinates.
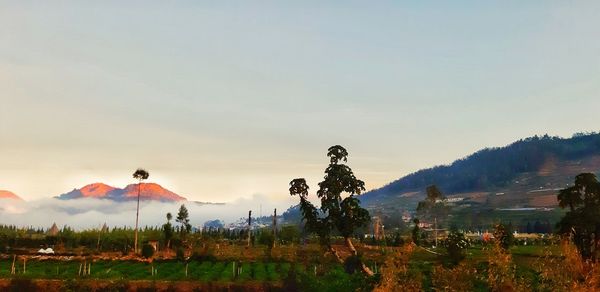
(225, 101)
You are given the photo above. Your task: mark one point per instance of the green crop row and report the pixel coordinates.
(205, 271)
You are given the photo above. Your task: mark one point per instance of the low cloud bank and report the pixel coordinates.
(92, 213)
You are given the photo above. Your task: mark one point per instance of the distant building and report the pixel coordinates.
(454, 200)
(425, 225)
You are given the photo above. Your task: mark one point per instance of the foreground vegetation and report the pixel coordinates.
(486, 267)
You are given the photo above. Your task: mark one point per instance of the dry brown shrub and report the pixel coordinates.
(567, 271)
(395, 275)
(459, 278)
(501, 271)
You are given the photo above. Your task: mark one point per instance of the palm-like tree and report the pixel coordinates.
(140, 175)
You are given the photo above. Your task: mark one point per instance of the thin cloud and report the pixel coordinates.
(91, 213)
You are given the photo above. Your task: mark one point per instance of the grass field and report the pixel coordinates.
(316, 274)
(524, 259)
(205, 271)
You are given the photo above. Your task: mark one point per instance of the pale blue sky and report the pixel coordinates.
(226, 100)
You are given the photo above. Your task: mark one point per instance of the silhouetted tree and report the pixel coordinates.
(456, 245)
(140, 175)
(416, 232)
(184, 220)
(168, 230)
(147, 251)
(582, 222)
(343, 215)
(434, 207)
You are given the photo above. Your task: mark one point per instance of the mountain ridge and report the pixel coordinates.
(9, 195)
(149, 191)
(535, 165)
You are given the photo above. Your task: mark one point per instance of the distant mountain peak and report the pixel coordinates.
(96, 190)
(148, 191)
(9, 195)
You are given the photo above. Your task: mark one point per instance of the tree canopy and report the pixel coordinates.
(184, 220)
(340, 210)
(582, 221)
(434, 205)
(141, 174)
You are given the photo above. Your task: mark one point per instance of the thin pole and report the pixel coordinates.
(137, 214)
(435, 230)
(249, 225)
(275, 227)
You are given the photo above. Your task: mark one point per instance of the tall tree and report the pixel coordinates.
(433, 208)
(168, 230)
(582, 221)
(336, 213)
(184, 220)
(140, 175)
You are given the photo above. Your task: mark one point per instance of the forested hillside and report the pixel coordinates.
(494, 168)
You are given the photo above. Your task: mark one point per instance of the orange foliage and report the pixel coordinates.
(567, 271)
(459, 278)
(395, 275)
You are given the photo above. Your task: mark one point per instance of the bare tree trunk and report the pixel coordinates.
(137, 215)
(366, 269)
(336, 254)
(363, 267)
(350, 246)
(12, 269)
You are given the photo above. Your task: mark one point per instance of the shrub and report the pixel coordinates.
(147, 251)
(395, 274)
(289, 234)
(352, 264)
(180, 254)
(501, 271)
(265, 237)
(456, 244)
(459, 278)
(398, 241)
(503, 236)
(567, 271)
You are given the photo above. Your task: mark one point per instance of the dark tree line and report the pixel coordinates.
(495, 167)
